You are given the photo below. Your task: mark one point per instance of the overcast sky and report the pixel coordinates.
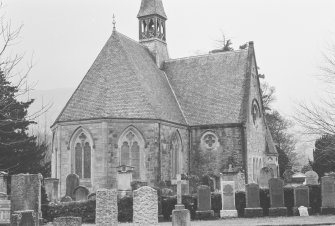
(65, 36)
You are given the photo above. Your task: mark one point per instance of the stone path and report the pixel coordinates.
(265, 221)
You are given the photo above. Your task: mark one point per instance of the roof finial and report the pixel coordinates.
(114, 22)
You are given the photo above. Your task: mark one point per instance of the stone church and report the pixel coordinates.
(137, 111)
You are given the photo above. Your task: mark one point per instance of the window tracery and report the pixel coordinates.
(82, 155)
(255, 110)
(209, 141)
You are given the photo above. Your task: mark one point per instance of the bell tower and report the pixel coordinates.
(152, 29)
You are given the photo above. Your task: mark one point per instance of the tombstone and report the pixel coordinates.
(51, 188)
(303, 211)
(67, 221)
(125, 177)
(228, 199)
(72, 181)
(92, 196)
(301, 198)
(204, 208)
(298, 178)
(328, 195)
(253, 208)
(265, 175)
(26, 193)
(312, 178)
(180, 215)
(145, 207)
(278, 208)
(80, 193)
(25, 218)
(3, 182)
(66, 199)
(4, 209)
(106, 207)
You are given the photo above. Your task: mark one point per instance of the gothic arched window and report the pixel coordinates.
(255, 110)
(131, 145)
(176, 153)
(82, 154)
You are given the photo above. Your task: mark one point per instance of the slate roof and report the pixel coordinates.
(123, 82)
(210, 88)
(151, 7)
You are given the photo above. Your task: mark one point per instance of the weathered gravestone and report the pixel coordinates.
(253, 208)
(145, 207)
(278, 208)
(80, 193)
(26, 193)
(72, 181)
(106, 208)
(303, 211)
(3, 182)
(51, 188)
(312, 178)
(328, 195)
(204, 210)
(265, 175)
(67, 221)
(228, 199)
(4, 209)
(24, 218)
(180, 215)
(301, 198)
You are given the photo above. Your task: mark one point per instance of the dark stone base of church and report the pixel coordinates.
(327, 211)
(253, 212)
(278, 212)
(296, 211)
(205, 215)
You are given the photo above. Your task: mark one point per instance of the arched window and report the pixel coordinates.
(255, 110)
(82, 154)
(176, 149)
(132, 154)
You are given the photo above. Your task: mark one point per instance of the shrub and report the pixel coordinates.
(168, 204)
(264, 197)
(315, 198)
(125, 209)
(216, 202)
(240, 202)
(289, 200)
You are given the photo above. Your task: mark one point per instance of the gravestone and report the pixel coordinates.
(80, 193)
(312, 178)
(180, 215)
(67, 221)
(253, 208)
(66, 199)
(72, 181)
(51, 188)
(228, 199)
(26, 193)
(328, 195)
(24, 218)
(3, 182)
(204, 210)
(278, 208)
(265, 175)
(145, 207)
(303, 211)
(4, 209)
(106, 207)
(301, 198)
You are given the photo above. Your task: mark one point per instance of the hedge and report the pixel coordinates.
(86, 209)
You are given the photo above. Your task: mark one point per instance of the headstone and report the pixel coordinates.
(228, 199)
(26, 193)
(24, 218)
(180, 215)
(265, 175)
(80, 193)
(303, 211)
(204, 209)
(106, 208)
(312, 178)
(67, 221)
(72, 181)
(298, 178)
(3, 182)
(253, 208)
(66, 199)
(51, 188)
(4, 209)
(328, 195)
(145, 207)
(278, 208)
(301, 198)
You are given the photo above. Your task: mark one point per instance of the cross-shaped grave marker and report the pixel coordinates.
(179, 195)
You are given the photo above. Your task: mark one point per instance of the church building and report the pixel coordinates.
(139, 111)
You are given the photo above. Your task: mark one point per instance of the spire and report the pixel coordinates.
(151, 7)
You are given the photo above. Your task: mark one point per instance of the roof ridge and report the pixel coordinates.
(204, 55)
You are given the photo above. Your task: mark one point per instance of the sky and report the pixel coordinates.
(63, 37)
